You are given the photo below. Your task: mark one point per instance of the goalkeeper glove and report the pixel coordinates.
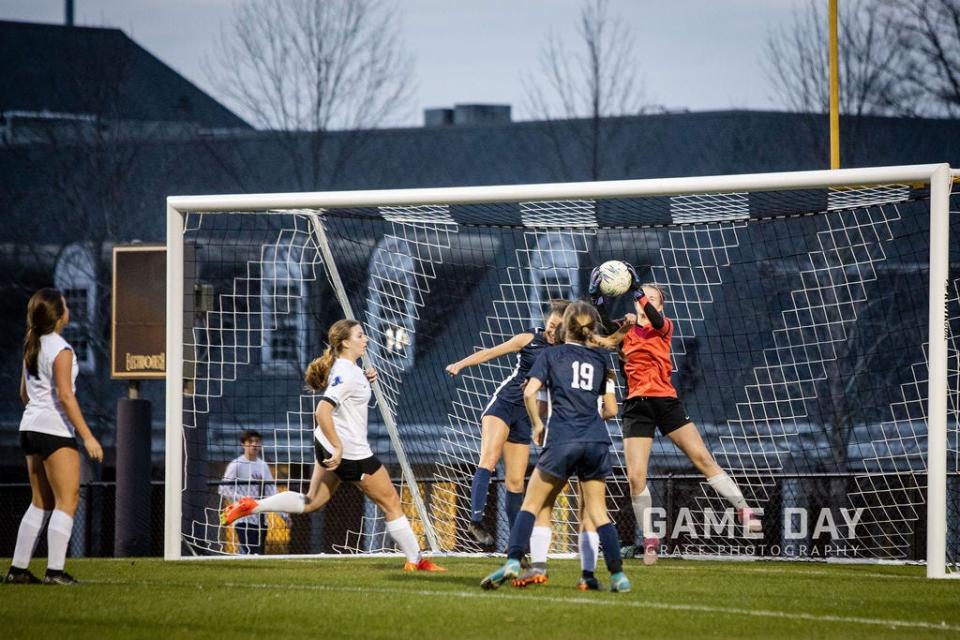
(594, 289)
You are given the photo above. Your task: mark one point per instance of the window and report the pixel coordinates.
(553, 272)
(74, 276)
(282, 304)
(392, 288)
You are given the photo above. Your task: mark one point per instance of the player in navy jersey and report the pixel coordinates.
(505, 427)
(575, 441)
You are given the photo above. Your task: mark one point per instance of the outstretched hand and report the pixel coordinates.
(594, 289)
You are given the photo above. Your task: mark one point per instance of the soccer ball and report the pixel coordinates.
(615, 278)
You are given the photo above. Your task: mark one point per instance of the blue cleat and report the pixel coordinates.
(619, 582)
(508, 571)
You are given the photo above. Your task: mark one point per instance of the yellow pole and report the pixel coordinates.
(834, 89)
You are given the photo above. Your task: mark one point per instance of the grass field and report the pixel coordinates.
(372, 598)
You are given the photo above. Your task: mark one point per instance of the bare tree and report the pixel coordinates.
(594, 82)
(797, 61)
(306, 67)
(929, 33)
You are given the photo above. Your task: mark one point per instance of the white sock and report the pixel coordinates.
(28, 535)
(726, 487)
(589, 548)
(283, 502)
(540, 544)
(405, 538)
(642, 504)
(58, 536)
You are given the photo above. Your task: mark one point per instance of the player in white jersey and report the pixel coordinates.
(340, 442)
(249, 475)
(51, 421)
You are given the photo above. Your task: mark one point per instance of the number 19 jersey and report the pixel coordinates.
(575, 376)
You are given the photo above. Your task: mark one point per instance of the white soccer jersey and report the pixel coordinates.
(349, 389)
(43, 412)
(245, 477)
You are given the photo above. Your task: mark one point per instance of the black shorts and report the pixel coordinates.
(349, 470)
(642, 416)
(35, 443)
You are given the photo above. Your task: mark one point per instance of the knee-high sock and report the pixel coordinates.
(405, 538)
(514, 502)
(610, 542)
(589, 546)
(539, 544)
(520, 535)
(283, 502)
(726, 487)
(642, 503)
(478, 494)
(28, 535)
(58, 536)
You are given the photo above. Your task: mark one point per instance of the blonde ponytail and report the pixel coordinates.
(318, 371)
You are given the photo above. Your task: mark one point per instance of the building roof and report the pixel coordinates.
(101, 72)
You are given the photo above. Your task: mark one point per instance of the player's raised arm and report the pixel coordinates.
(514, 344)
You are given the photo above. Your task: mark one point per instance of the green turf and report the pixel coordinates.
(372, 598)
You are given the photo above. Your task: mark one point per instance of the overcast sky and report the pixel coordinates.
(695, 54)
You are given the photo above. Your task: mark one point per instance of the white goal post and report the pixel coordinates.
(396, 205)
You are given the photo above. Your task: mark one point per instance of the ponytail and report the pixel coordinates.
(580, 322)
(319, 370)
(44, 311)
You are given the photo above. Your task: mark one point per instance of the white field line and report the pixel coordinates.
(593, 602)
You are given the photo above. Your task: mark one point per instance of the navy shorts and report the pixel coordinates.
(35, 443)
(516, 418)
(349, 470)
(586, 460)
(642, 416)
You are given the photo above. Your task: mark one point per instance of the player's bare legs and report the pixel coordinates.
(494, 432)
(688, 439)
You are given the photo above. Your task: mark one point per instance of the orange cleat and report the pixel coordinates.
(529, 577)
(423, 565)
(239, 509)
(650, 546)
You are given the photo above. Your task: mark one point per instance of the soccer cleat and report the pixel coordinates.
(239, 509)
(531, 576)
(423, 565)
(509, 571)
(483, 538)
(588, 584)
(20, 576)
(749, 520)
(619, 582)
(650, 546)
(59, 577)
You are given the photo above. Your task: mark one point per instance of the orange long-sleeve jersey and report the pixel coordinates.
(647, 364)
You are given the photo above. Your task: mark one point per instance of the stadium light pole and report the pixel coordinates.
(834, 88)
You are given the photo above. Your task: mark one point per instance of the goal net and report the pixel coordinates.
(802, 305)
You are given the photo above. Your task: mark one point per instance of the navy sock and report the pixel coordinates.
(520, 535)
(478, 494)
(514, 502)
(586, 575)
(610, 542)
